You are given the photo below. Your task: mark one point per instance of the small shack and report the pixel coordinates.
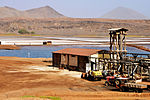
(73, 58)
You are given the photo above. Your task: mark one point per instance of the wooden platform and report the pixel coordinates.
(145, 83)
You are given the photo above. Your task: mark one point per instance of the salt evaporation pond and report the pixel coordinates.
(46, 51)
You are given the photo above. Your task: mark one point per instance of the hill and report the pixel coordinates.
(11, 12)
(123, 13)
(42, 12)
(73, 26)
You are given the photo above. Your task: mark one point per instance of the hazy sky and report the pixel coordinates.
(81, 8)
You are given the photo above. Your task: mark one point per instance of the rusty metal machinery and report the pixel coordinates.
(119, 59)
(118, 42)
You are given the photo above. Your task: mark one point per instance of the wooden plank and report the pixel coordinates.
(145, 83)
(135, 85)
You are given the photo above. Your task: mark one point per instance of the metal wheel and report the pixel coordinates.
(122, 89)
(99, 79)
(89, 77)
(138, 90)
(81, 75)
(85, 76)
(106, 84)
(117, 82)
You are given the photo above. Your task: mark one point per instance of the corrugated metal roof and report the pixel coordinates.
(78, 51)
(118, 29)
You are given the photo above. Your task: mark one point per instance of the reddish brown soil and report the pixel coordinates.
(17, 79)
(9, 47)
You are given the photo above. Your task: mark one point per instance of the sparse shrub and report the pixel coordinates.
(23, 31)
(32, 32)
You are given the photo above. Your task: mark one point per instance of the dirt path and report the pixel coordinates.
(21, 78)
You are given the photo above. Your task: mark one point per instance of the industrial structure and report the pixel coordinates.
(115, 60)
(129, 64)
(75, 58)
(118, 42)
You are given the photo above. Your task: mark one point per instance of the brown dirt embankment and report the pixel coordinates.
(9, 47)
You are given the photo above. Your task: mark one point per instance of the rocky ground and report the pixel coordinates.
(73, 27)
(31, 78)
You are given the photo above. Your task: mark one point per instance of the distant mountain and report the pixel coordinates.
(124, 13)
(42, 12)
(10, 12)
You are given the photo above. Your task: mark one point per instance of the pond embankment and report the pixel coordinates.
(139, 47)
(9, 47)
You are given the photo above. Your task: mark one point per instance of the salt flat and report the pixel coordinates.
(76, 40)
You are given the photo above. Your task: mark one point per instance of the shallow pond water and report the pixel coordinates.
(46, 51)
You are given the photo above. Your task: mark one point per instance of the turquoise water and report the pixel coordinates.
(46, 51)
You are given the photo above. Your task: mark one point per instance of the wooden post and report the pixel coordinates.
(121, 50)
(128, 71)
(95, 64)
(104, 65)
(117, 46)
(90, 62)
(110, 41)
(67, 61)
(121, 41)
(98, 64)
(149, 72)
(141, 71)
(125, 43)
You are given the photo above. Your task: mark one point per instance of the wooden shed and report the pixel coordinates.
(73, 58)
